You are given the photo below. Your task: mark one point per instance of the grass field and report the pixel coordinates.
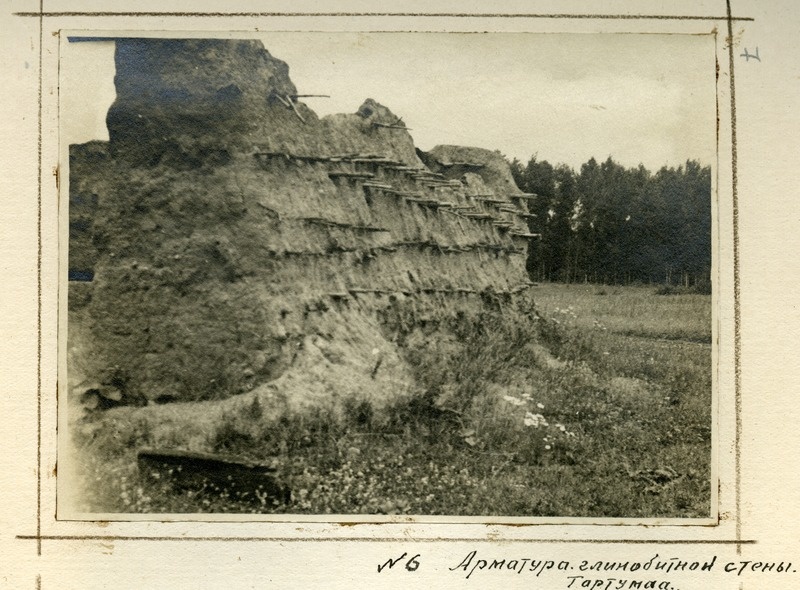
(598, 407)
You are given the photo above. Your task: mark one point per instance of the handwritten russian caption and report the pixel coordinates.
(652, 573)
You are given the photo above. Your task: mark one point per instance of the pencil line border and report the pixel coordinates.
(56, 14)
(737, 312)
(729, 19)
(39, 293)
(166, 538)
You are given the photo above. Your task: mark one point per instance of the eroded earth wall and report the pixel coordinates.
(236, 239)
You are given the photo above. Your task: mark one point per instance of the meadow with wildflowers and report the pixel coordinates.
(597, 405)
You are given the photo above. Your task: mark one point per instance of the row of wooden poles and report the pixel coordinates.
(418, 244)
(421, 176)
(355, 291)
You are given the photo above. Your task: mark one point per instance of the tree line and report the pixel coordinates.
(615, 225)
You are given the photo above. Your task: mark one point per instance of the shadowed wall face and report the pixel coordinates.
(189, 91)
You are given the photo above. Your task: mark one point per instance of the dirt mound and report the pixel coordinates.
(187, 100)
(453, 161)
(236, 240)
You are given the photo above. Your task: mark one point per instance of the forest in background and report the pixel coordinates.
(615, 225)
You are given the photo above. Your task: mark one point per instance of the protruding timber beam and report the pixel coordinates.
(388, 126)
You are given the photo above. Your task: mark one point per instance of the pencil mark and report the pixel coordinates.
(386, 540)
(737, 312)
(39, 299)
(747, 55)
(387, 14)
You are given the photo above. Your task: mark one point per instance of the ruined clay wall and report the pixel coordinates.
(237, 239)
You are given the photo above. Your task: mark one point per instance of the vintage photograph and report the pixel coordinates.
(351, 276)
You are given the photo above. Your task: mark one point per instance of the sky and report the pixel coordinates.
(565, 98)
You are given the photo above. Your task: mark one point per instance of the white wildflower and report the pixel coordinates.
(535, 420)
(513, 400)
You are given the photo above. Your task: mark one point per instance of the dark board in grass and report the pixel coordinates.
(234, 477)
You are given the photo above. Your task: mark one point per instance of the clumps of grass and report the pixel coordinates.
(237, 429)
(120, 488)
(527, 431)
(229, 435)
(478, 381)
(455, 356)
(698, 288)
(629, 311)
(117, 436)
(566, 342)
(109, 478)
